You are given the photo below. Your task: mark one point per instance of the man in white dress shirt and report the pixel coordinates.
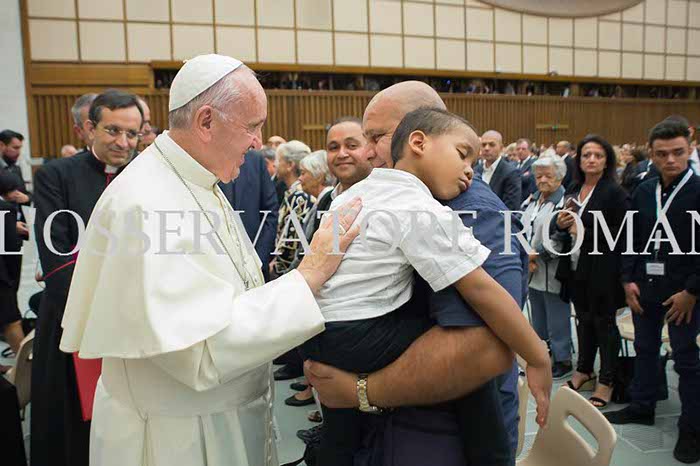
(502, 177)
(168, 290)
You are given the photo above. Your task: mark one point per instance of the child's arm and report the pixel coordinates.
(503, 316)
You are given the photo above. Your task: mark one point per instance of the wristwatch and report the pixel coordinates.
(365, 407)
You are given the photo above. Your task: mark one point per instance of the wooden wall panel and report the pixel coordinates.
(304, 115)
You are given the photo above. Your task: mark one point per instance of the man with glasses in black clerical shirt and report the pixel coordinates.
(59, 434)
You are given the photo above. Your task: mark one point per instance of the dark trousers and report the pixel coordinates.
(647, 342)
(59, 435)
(12, 452)
(371, 344)
(597, 330)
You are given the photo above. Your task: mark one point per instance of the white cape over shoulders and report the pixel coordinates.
(186, 371)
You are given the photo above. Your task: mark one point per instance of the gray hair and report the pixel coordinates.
(554, 161)
(220, 95)
(317, 164)
(268, 153)
(81, 102)
(293, 151)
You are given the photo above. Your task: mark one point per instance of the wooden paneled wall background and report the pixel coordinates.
(303, 115)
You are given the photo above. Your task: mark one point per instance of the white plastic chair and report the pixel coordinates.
(559, 444)
(21, 375)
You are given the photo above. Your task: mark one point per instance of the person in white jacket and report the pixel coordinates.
(168, 290)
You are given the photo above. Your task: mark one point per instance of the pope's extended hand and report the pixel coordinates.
(321, 263)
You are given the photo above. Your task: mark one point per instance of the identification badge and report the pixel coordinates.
(656, 269)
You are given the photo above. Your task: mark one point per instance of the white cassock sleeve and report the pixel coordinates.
(186, 312)
(260, 330)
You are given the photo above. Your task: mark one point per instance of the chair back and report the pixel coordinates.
(559, 442)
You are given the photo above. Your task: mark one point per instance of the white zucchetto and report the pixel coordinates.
(197, 75)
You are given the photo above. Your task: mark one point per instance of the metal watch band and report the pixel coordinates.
(365, 407)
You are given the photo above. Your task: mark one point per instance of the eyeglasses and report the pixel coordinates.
(115, 132)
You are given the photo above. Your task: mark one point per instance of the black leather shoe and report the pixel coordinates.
(630, 415)
(288, 373)
(298, 386)
(688, 447)
(312, 435)
(294, 401)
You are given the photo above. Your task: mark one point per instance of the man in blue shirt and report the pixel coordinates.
(422, 361)
(509, 270)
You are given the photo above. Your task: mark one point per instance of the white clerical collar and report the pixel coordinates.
(111, 169)
(184, 163)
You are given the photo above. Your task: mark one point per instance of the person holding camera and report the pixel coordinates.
(594, 279)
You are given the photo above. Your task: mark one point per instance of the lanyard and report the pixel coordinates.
(661, 211)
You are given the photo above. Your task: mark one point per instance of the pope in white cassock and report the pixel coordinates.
(168, 290)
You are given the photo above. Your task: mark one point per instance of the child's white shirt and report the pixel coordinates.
(406, 230)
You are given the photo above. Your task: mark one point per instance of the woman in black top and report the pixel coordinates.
(629, 179)
(594, 279)
(10, 318)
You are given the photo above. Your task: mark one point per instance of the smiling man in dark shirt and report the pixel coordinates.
(664, 284)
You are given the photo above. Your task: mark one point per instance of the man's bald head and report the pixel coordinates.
(408, 96)
(563, 148)
(492, 134)
(491, 146)
(386, 110)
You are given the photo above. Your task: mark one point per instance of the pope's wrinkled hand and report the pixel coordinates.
(323, 260)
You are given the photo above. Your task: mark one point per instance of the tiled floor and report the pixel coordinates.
(637, 445)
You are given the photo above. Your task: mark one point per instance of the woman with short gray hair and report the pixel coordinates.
(317, 181)
(289, 157)
(550, 314)
(315, 177)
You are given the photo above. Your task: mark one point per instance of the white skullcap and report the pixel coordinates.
(197, 75)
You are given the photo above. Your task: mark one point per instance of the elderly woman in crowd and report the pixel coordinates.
(289, 156)
(594, 279)
(551, 317)
(510, 153)
(632, 158)
(316, 181)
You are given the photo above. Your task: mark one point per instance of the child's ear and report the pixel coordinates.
(416, 141)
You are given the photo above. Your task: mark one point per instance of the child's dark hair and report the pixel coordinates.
(431, 121)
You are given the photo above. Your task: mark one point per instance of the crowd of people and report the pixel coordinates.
(308, 81)
(537, 184)
(573, 218)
